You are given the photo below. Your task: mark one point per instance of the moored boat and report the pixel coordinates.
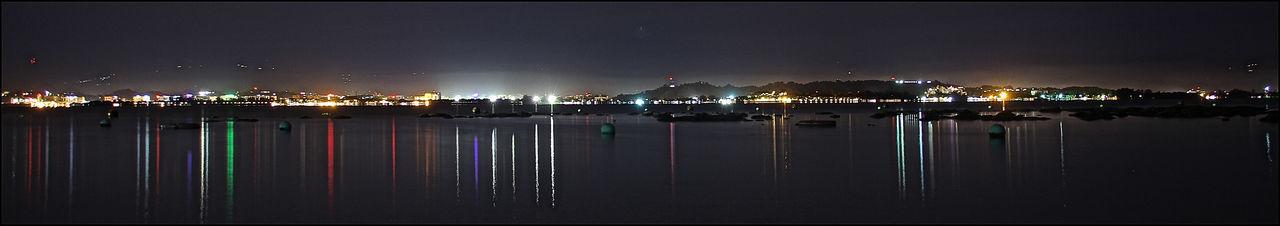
(817, 123)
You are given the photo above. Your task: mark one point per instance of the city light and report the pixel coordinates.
(265, 97)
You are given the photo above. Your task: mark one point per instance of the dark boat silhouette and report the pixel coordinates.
(817, 123)
(171, 125)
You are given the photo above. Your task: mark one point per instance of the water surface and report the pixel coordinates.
(386, 165)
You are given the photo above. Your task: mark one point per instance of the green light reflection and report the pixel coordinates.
(231, 163)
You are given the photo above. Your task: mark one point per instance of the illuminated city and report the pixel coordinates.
(936, 93)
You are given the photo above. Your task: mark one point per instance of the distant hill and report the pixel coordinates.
(860, 88)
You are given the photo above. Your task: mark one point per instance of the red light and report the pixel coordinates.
(33, 60)
(893, 78)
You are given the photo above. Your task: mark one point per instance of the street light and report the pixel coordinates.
(552, 101)
(535, 103)
(1003, 97)
(492, 104)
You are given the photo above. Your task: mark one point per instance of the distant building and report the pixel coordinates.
(433, 95)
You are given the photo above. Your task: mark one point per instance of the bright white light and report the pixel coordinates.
(639, 102)
(537, 98)
(492, 98)
(551, 99)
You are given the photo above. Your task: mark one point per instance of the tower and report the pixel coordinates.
(671, 82)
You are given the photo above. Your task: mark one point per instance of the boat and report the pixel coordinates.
(817, 123)
(171, 125)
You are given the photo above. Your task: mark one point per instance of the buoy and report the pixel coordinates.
(996, 130)
(113, 114)
(607, 128)
(104, 123)
(285, 126)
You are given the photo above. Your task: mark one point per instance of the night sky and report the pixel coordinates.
(612, 48)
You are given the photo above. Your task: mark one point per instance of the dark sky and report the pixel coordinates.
(611, 48)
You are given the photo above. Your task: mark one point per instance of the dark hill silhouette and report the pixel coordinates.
(860, 88)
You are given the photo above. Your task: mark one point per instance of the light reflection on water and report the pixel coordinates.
(711, 174)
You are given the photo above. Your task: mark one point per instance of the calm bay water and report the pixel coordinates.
(384, 165)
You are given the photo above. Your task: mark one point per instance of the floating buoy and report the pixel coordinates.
(104, 123)
(996, 130)
(607, 128)
(285, 126)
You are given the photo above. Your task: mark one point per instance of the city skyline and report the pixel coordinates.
(623, 48)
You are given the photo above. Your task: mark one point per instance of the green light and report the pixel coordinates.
(231, 164)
